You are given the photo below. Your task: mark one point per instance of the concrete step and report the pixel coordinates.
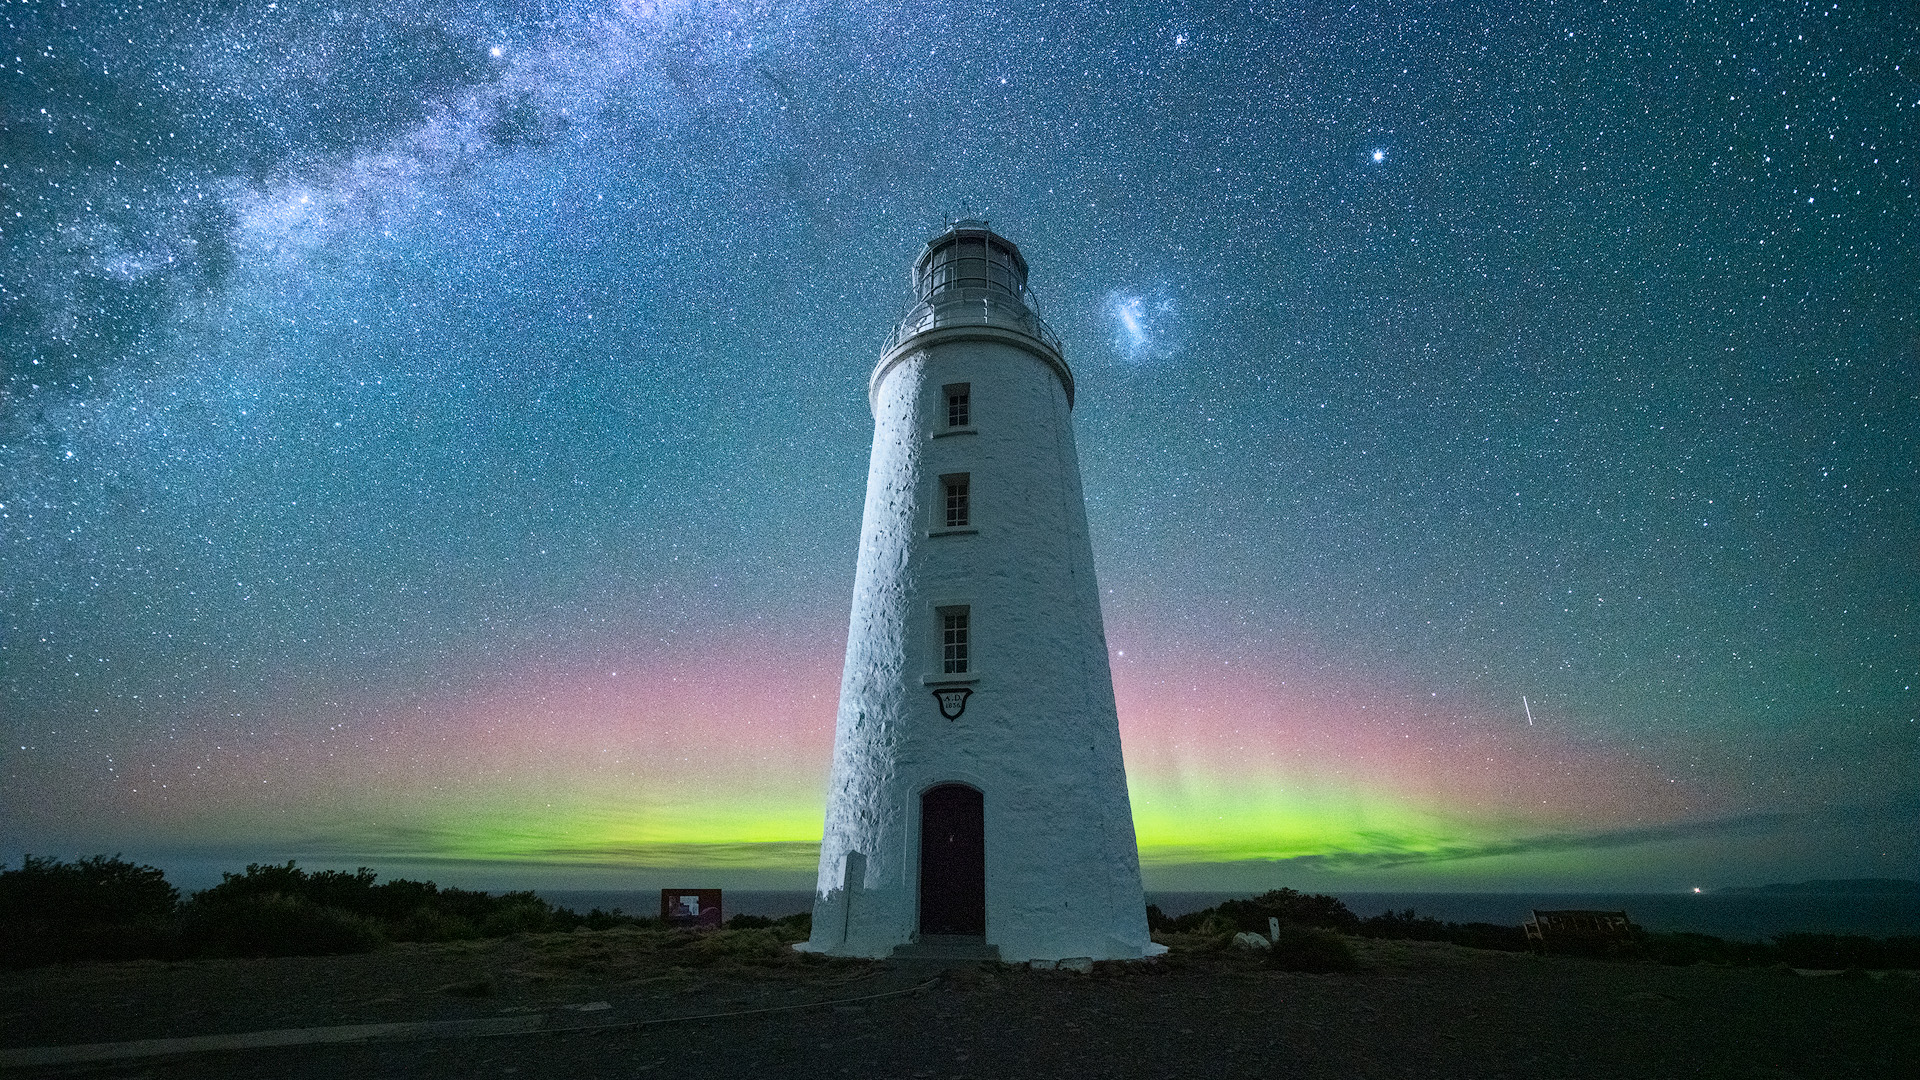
(958, 947)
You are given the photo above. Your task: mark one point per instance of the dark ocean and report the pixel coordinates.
(1735, 917)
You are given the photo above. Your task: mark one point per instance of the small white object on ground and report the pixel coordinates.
(1247, 940)
(1082, 964)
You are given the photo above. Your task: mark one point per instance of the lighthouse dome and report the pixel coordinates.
(968, 261)
(967, 280)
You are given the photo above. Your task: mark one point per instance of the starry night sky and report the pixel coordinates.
(434, 434)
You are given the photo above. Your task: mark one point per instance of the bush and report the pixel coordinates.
(800, 923)
(93, 909)
(1158, 921)
(1410, 925)
(1290, 906)
(1406, 925)
(1234, 916)
(275, 924)
(607, 920)
(517, 913)
(96, 890)
(426, 923)
(1309, 948)
(1480, 935)
(1214, 924)
(403, 910)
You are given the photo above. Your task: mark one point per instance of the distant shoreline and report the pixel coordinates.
(1734, 916)
(1829, 887)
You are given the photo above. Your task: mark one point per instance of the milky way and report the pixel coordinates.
(434, 434)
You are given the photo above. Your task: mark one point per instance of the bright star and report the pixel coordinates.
(1379, 156)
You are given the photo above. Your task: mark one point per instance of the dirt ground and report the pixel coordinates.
(1413, 1010)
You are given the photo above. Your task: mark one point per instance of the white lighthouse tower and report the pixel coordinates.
(978, 799)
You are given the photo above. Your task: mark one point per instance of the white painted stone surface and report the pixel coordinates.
(1039, 736)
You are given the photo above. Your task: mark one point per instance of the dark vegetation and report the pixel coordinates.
(110, 909)
(1311, 925)
(1329, 914)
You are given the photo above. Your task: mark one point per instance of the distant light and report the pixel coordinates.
(1379, 155)
(1696, 888)
(496, 50)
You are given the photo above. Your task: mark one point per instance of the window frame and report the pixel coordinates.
(956, 652)
(959, 399)
(956, 501)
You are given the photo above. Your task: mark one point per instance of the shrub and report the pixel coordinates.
(1309, 948)
(468, 904)
(403, 910)
(1158, 921)
(607, 920)
(1480, 935)
(426, 923)
(96, 890)
(1234, 916)
(1406, 925)
(1410, 925)
(1290, 906)
(516, 913)
(275, 924)
(93, 909)
(800, 923)
(1215, 924)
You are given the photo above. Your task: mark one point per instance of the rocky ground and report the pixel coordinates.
(1412, 1010)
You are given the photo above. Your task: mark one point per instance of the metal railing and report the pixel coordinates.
(972, 307)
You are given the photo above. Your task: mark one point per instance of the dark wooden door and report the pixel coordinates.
(953, 861)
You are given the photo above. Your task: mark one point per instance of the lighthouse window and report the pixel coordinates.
(959, 409)
(953, 640)
(956, 492)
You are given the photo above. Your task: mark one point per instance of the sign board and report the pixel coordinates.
(691, 908)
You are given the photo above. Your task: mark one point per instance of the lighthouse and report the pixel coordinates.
(977, 804)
